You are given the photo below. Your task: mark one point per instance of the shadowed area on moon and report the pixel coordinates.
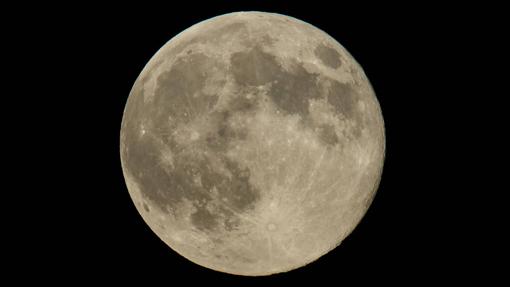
(177, 146)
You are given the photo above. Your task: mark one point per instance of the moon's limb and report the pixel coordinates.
(252, 143)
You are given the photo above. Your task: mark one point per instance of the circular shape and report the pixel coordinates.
(252, 143)
(271, 227)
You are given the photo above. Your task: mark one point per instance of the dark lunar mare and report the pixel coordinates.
(192, 177)
(291, 91)
(328, 56)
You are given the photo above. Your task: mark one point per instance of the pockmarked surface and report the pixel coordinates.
(252, 143)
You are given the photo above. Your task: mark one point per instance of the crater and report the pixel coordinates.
(271, 227)
(133, 120)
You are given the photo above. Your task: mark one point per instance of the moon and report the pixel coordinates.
(252, 143)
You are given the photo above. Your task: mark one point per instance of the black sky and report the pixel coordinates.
(90, 56)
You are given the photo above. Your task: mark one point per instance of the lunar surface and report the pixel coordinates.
(252, 143)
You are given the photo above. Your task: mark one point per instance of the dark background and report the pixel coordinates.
(86, 59)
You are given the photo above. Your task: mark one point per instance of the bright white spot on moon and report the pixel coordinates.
(194, 135)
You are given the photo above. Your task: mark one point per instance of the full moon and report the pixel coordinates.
(252, 143)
